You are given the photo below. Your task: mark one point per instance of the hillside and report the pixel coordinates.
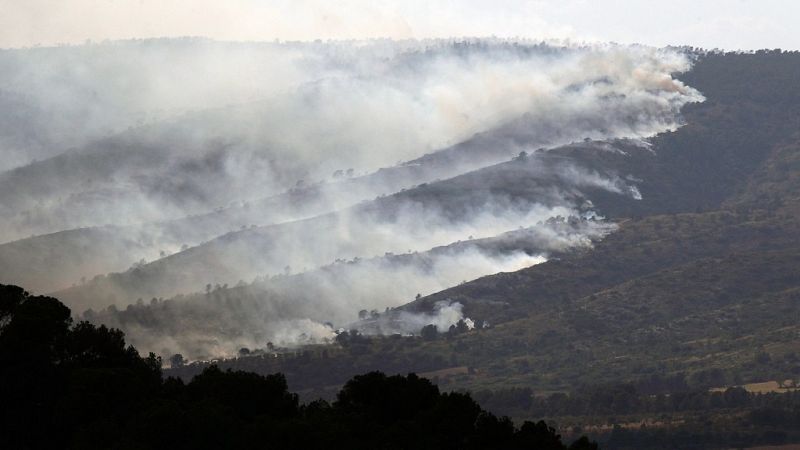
(700, 281)
(721, 185)
(689, 292)
(734, 159)
(489, 201)
(124, 245)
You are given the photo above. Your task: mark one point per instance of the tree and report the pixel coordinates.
(33, 328)
(176, 361)
(429, 332)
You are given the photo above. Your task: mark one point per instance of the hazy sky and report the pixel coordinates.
(729, 24)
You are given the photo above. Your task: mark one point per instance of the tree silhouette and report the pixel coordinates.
(81, 386)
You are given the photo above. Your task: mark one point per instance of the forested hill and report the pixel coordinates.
(701, 282)
(701, 277)
(726, 182)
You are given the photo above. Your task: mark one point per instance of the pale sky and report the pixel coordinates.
(728, 24)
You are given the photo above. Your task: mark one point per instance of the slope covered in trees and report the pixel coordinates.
(735, 159)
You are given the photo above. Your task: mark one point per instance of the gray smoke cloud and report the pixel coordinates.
(272, 115)
(480, 204)
(165, 166)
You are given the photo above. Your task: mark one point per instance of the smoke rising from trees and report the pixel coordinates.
(201, 162)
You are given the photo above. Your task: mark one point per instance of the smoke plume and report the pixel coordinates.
(270, 191)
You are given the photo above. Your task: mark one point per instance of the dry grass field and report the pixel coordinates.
(766, 387)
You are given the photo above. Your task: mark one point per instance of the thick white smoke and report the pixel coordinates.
(313, 109)
(220, 162)
(290, 310)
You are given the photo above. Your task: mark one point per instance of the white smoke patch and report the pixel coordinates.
(583, 178)
(444, 315)
(294, 332)
(292, 310)
(391, 282)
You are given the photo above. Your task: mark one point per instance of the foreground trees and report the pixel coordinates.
(68, 385)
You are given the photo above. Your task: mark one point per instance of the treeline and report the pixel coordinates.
(694, 419)
(624, 399)
(314, 367)
(68, 385)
